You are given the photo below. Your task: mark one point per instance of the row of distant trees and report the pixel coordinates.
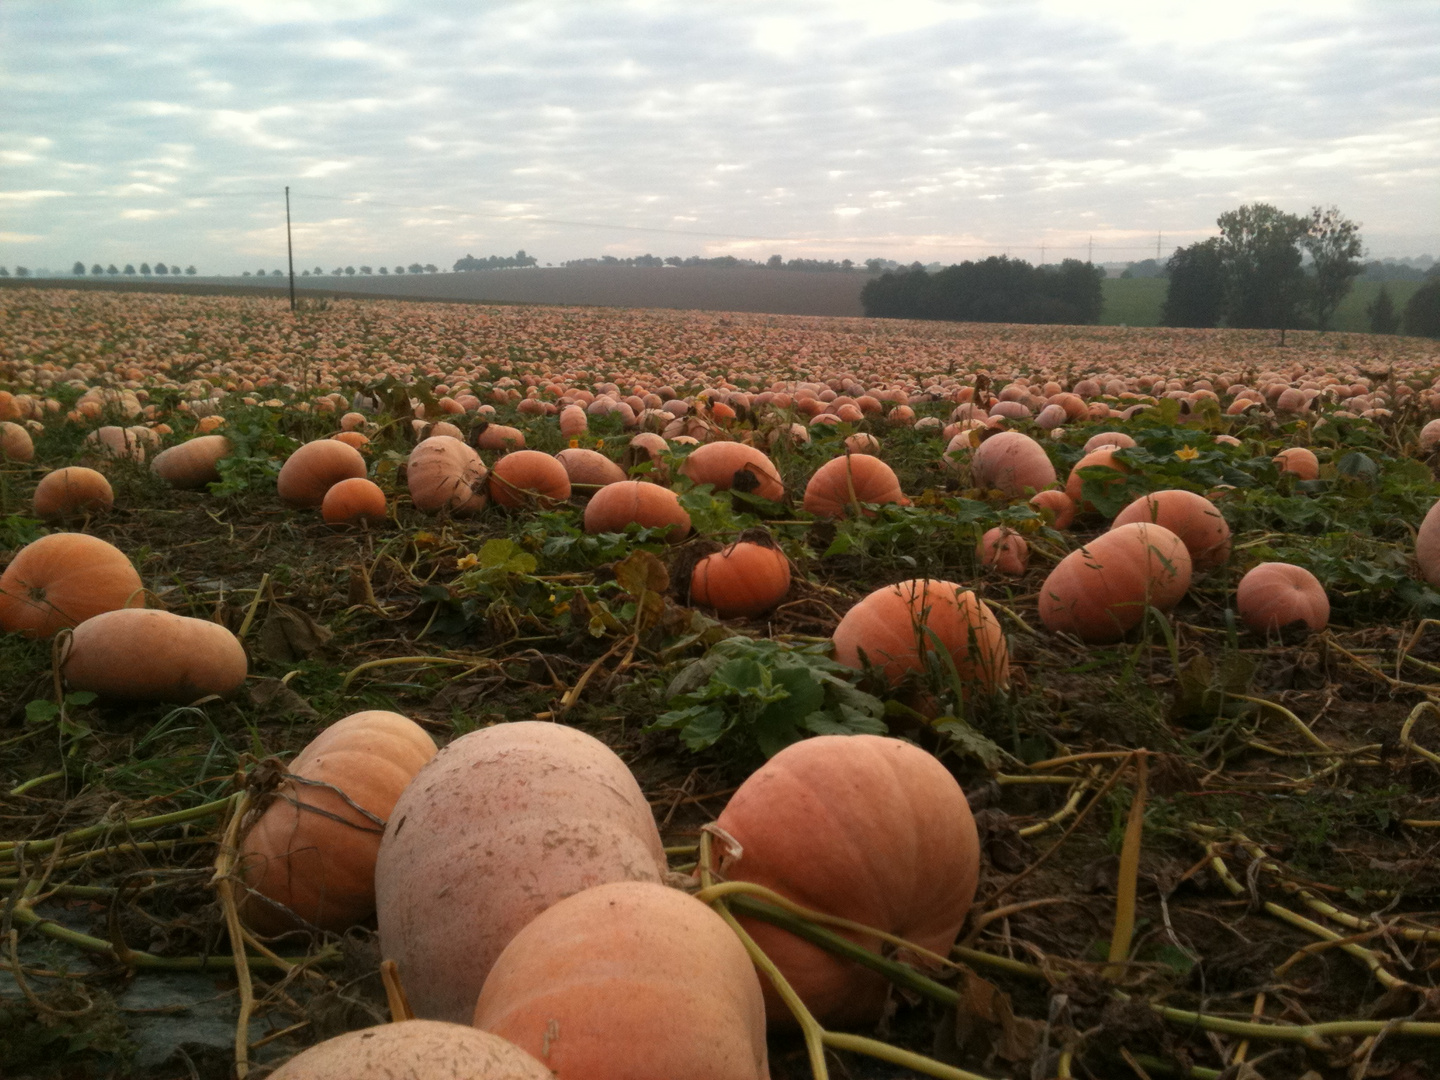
(145, 269)
(997, 289)
(1255, 275)
(350, 271)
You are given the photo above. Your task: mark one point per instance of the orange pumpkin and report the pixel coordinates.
(726, 465)
(1427, 545)
(1117, 439)
(1012, 463)
(897, 627)
(861, 827)
(1102, 457)
(359, 440)
(15, 442)
(1004, 550)
(353, 500)
(498, 437)
(1275, 595)
(855, 480)
(1100, 591)
(1298, 462)
(443, 474)
(744, 580)
(498, 826)
(1061, 507)
(72, 492)
(414, 1050)
(1194, 518)
(617, 505)
(528, 478)
(193, 463)
(314, 469)
(308, 857)
(63, 579)
(140, 654)
(599, 967)
(589, 467)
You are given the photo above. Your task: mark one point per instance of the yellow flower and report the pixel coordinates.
(1187, 453)
(574, 443)
(599, 444)
(466, 562)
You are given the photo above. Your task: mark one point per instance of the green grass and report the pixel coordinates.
(1136, 302)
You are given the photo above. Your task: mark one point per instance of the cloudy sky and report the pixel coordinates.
(420, 130)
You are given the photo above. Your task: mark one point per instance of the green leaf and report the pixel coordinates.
(41, 712)
(969, 741)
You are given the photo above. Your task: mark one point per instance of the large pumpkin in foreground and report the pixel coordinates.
(745, 579)
(896, 629)
(1100, 591)
(309, 858)
(414, 1050)
(63, 579)
(629, 981)
(1274, 595)
(862, 827)
(498, 826)
(1427, 546)
(140, 654)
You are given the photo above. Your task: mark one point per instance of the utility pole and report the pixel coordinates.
(1157, 245)
(290, 247)
(1090, 252)
(1042, 254)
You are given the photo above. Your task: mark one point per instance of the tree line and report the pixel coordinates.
(1254, 275)
(145, 269)
(997, 289)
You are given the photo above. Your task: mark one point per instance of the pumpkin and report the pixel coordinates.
(63, 579)
(140, 654)
(352, 421)
(1012, 463)
(726, 465)
(314, 468)
(615, 506)
(193, 463)
(851, 481)
(308, 857)
(444, 474)
(357, 439)
(1276, 595)
(589, 467)
(862, 827)
(1100, 591)
(528, 478)
(1117, 439)
(15, 442)
(1060, 506)
(583, 985)
(489, 436)
(121, 444)
(896, 628)
(862, 443)
(1101, 457)
(1430, 436)
(414, 1050)
(1427, 545)
(356, 499)
(573, 421)
(498, 826)
(1298, 462)
(72, 492)
(1004, 550)
(744, 580)
(1194, 518)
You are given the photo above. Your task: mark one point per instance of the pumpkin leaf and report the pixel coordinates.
(969, 741)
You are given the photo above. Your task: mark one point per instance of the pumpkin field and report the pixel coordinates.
(512, 692)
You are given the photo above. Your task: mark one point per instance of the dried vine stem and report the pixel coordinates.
(225, 889)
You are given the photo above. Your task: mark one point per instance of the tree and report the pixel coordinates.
(431, 268)
(399, 269)
(350, 270)
(1265, 288)
(130, 269)
(1196, 293)
(385, 270)
(4, 272)
(1422, 312)
(22, 271)
(775, 262)
(145, 269)
(319, 272)
(190, 271)
(1334, 244)
(1384, 319)
(277, 273)
(366, 270)
(97, 270)
(112, 269)
(78, 268)
(415, 268)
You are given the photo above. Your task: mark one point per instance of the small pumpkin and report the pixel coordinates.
(1274, 595)
(488, 436)
(443, 474)
(354, 500)
(358, 439)
(600, 966)
(193, 463)
(139, 654)
(843, 483)
(617, 505)
(314, 468)
(743, 580)
(863, 827)
(72, 492)
(1003, 550)
(1060, 506)
(1299, 462)
(499, 825)
(1100, 457)
(1100, 591)
(528, 478)
(64, 579)
(414, 1050)
(1012, 463)
(897, 627)
(308, 858)
(1194, 518)
(727, 465)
